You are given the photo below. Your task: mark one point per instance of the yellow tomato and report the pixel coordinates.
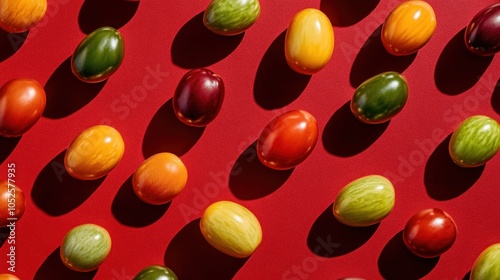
(7, 276)
(408, 27)
(309, 41)
(160, 178)
(21, 15)
(231, 229)
(94, 153)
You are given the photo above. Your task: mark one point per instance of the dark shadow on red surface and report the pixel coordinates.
(54, 268)
(347, 12)
(195, 46)
(97, 13)
(166, 133)
(330, 238)
(373, 59)
(66, 94)
(7, 146)
(495, 98)
(443, 179)
(397, 262)
(4, 234)
(458, 69)
(10, 43)
(346, 136)
(129, 210)
(56, 192)
(250, 179)
(276, 84)
(467, 276)
(191, 257)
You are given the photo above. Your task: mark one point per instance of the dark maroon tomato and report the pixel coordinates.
(198, 97)
(287, 140)
(482, 35)
(430, 233)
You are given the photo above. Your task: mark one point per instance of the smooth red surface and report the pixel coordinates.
(446, 84)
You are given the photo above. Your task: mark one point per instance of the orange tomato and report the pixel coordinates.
(20, 15)
(94, 153)
(7, 276)
(160, 178)
(10, 197)
(408, 27)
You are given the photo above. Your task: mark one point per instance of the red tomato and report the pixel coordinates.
(10, 197)
(430, 233)
(160, 178)
(287, 140)
(8, 277)
(22, 102)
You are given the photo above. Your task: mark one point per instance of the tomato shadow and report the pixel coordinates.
(276, 84)
(397, 262)
(346, 12)
(66, 94)
(166, 133)
(195, 46)
(189, 249)
(129, 210)
(54, 268)
(458, 69)
(443, 179)
(495, 98)
(4, 234)
(97, 13)
(56, 193)
(467, 276)
(346, 136)
(250, 179)
(373, 59)
(330, 238)
(10, 43)
(7, 146)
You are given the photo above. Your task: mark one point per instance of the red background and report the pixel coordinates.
(446, 83)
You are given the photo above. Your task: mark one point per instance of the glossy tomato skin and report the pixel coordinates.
(10, 194)
(94, 153)
(487, 265)
(98, 56)
(231, 17)
(408, 27)
(155, 272)
(231, 228)
(287, 140)
(160, 178)
(6, 276)
(482, 35)
(198, 97)
(429, 233)
(309, 41)
(22, 102)
(20, 15)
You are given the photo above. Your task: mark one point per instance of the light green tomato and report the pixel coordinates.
(365, 201)
(475, 141)
(85, 247)
(231, 17)
(487, 265)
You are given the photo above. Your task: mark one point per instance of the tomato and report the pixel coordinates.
(408, 27)
(22, 102)
(98, 56)
(429, 233)
(10, 197)
(487, 265)
(231, 228)
(198, 97)
(482, 35)
(160, 178)
(287, 140)
(231, 17)
(155, 272)
(309, 41)
(94, 153)
(7, 276)
(20, 15)
(85, 247)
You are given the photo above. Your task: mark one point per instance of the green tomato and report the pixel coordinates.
(98, 56)
(487, 265)
(365, 201)
(231, 17)
(85, 247)
(156, 272)
(380, 98)
(475, 141)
